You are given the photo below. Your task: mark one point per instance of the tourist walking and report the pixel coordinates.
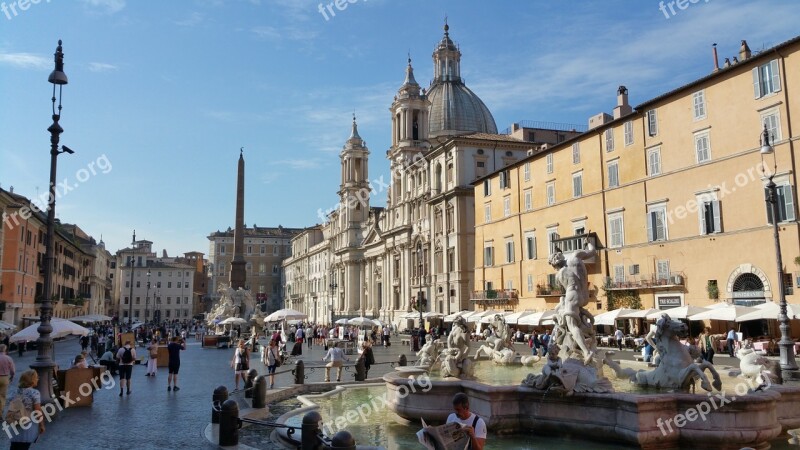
(368, 356)
(152, 362)
(240, 363)
(309, 336)
(270, 355)
(174, 349)
(732, 338)
(126, 356)
(7, 370)
(474, 426)
(23, 436)
(337, 358)
(708, 344)
(619, 336)
(297, 349)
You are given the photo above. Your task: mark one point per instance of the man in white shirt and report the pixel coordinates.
(732, 338)
(337, 358)
(619, 336)
(473, 425)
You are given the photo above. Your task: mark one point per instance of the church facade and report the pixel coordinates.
(416, 253)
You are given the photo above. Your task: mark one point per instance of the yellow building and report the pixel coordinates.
(672, 192)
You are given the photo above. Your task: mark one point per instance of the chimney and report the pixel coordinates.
(716, 58)
(744, 51)
(622, 108)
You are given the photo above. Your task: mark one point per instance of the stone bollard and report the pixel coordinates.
(248, 383)
(229, 424)
(260, 392)
(361, 370)
(402, 361)
(219, 396)
(299, 372)
(343, 441)
(310, 431)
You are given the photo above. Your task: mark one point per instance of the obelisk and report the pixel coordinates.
(238, 273)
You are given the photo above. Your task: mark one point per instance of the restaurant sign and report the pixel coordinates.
(669, 302)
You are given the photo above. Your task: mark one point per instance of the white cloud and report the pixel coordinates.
(101, 67)
(106, 6)
(25, 60)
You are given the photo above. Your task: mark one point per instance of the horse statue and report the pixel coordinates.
(454, 358)
(676, 369)
(498, 340)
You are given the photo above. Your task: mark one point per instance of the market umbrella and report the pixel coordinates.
(432, 315)
(610, 317)
(490, 317)
(361, 322)
(770, 310)
(61, 328)
(682, 312)
(6, 326)
(233, 321)
(539, 318)
(513, 318)
(341, 322)
(90, 318)
(639, 314)
(481, 314)
(285, 314)
(454, 316)
(729, 314)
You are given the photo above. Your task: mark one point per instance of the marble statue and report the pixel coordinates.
(498, 340)
(429, 353)
(232, 303)
(756, 367)
(572, 365)
(529, 360)
(455, 361)
(676, 368)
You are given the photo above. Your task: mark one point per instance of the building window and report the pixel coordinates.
(772, 121)
(262, 268)
(552, 236)
(509, 251)
(263, 249)
(710, 218)
(609, 140)
(551, 193)
(702, 147)
(577, 184)
(158, 284)
(652, 122)
(616, 230)
(505, 179)
(699, 102)
(654, 161)
(126, 300)
(785, 204)
(766, 79)
(488, 254)
(487, 213)
(662, 269)
(549, 162)
(613, 173)
(249, 249)
(657, 223)
(528, 196)
(530, 246)
(487, 188)
(274, 250)
(526, 171)
(530, 283)
(506, 206)
(275, 269)
(628, 133)
(169, 284)
(619, 273)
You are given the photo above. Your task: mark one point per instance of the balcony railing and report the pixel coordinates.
(570, 245)
(495, 296)
(649, 281)
(544, 291)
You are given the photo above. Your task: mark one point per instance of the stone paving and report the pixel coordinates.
(151, 417)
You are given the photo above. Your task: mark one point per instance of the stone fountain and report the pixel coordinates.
(572, 396)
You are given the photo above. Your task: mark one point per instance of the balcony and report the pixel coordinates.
(572, 244)
(549, 290)
(651, 281)
(495, 297)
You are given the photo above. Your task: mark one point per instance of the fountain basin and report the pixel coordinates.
(648, 420)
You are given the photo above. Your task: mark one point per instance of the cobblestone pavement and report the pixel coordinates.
(151, 417)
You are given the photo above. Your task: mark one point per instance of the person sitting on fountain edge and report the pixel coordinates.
(474, 426)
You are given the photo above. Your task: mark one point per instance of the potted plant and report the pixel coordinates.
(713, 290)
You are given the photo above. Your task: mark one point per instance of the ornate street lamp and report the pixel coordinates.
(44, 363)
(333, 287)
(421, 303)
(789, 367)
(133, 266)
(147, 296)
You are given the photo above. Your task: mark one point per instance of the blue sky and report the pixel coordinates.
(162, 95)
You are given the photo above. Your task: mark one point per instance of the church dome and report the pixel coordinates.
(454, 109)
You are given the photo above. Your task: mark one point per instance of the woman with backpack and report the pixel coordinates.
(22, 437)
(271, 357)
(240, 362)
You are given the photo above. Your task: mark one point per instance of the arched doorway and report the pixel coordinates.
(748, 290)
